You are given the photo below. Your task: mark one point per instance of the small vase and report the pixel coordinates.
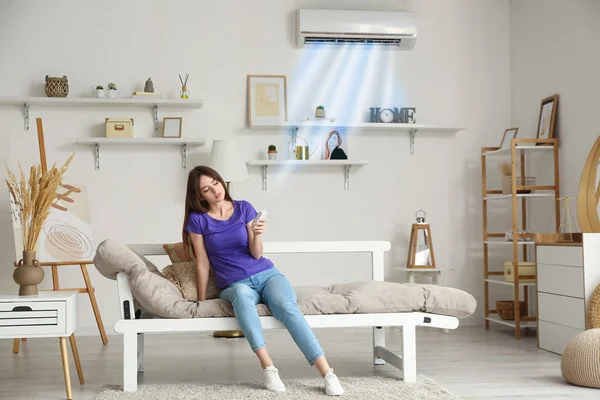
(28, 274)
(272, 155)
(99, 93)
(320, 113)
(111, 93)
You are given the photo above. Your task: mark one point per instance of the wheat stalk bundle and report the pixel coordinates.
(33, 198)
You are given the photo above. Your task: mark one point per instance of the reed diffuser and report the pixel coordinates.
(32, 199)
(184, 91)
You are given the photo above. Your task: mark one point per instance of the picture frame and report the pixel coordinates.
(266, 99)
(509, 134)
(547, 117)
(172, 127)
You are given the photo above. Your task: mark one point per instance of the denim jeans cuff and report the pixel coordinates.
(260, 346)
(313, 359)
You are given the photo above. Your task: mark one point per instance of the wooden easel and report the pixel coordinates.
(89, 289)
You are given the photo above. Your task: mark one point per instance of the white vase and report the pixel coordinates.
(273, 156)
(100, 93)
(111, 93)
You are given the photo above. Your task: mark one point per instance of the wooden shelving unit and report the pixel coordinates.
(494, 277)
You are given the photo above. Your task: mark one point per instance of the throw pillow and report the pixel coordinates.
(185, 276)
(177, 252)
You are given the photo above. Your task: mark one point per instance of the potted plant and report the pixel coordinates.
(320, 112)
(99, 91)
(272, 152)
(112, 89)
(31, 199)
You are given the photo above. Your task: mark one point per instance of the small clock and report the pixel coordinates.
(386, 115)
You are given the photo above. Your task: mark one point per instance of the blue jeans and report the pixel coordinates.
(270, 287)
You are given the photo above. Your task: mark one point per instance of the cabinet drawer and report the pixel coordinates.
(554, 337)
(557, 279)
(560, 255)
(562, 310)
(41, 317)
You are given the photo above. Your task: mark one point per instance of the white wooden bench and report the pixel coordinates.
(133, 330)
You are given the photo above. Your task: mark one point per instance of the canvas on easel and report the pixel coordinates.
(67, 233)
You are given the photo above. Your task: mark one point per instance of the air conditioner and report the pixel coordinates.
(396, 29)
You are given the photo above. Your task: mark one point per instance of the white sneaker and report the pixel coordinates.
(272, 380)
(333, 387)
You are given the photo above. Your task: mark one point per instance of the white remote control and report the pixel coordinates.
(261, 215)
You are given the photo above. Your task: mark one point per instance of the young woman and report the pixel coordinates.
(223, 238)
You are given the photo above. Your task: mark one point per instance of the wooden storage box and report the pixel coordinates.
(119, 127)
(526, 272)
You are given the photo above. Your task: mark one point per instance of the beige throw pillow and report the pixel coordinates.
(183, 272)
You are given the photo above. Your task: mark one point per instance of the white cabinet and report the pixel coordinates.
(567, 276)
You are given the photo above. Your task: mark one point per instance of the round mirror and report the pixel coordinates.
(588, 200)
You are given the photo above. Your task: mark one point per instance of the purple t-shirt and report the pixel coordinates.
(226, 243)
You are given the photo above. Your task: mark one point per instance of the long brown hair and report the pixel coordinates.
(193, 200)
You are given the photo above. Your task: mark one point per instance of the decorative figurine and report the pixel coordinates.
(149, 87)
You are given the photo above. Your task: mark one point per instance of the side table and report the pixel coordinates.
(47, 314)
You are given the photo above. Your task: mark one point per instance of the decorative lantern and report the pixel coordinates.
(420, 252)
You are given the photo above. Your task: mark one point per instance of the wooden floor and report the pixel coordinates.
(471, 362)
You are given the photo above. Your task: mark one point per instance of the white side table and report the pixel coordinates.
(47, 314)
(436, 273)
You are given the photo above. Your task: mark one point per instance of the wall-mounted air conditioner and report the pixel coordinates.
(396, 29)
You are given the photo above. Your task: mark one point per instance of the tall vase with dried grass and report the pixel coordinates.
(33, 198)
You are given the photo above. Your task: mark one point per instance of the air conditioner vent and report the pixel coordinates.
(341, 40)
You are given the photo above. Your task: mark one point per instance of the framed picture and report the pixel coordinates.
(509, 134)
(172, 127)
(267, 99)
(335, 146)
(547, 117)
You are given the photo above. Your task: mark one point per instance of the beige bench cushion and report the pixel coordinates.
(161, 298)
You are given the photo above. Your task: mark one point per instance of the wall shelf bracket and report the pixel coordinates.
(97, 157)
(264, 178)
(26, 109)
(412, 133)
(156, 118)
(346, 177)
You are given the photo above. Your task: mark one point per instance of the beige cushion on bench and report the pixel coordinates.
(162, 298)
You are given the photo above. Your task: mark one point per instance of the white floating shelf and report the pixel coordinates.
(265, 164)
(505, 242)
(142, 102)
(500, 281)
(523, 324)
(183, 142)
(411, 129)
(506, 151)
(508, 196)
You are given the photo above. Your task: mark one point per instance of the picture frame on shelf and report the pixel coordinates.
(509, 134)
(172, 127)
(267, 99)
(547, 118)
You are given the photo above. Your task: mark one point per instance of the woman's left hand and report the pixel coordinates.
(259, 227)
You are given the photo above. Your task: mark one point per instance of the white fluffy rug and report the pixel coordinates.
(363, 388)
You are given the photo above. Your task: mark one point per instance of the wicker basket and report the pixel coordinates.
(57, 87)
(506, 309)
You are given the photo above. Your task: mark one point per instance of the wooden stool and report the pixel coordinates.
(89, 289)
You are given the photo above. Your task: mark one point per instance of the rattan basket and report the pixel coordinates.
(57, 87)
(506, 309)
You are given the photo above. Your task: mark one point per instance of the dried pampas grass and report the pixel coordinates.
(506, 168)
(35, 196)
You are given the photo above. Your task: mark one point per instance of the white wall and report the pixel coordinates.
(458, 75)
(554, 50)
